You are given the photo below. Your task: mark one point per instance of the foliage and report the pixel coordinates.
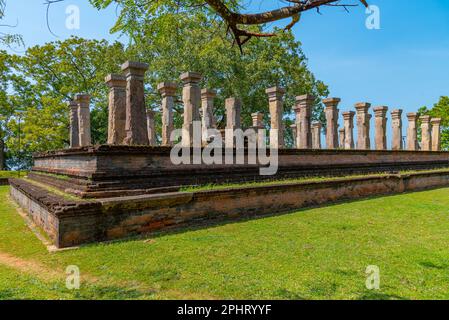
(42, 81)
(440, 110)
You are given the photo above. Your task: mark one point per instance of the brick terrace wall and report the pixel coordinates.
(70, 224)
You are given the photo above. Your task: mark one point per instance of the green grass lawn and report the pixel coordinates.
(11, 174)
(319, 253)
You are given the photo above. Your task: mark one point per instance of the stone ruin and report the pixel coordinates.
(131, 124)
(131, 186)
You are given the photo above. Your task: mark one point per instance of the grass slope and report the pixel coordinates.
(319, 253)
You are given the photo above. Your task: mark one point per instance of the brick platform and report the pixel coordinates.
(107, 171)
(70, 223)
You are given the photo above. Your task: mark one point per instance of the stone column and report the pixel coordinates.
(341, 138)
(348, 118)
(233, 119)
(381, 127)
(316, 135)
(2, 153)
(436, 134)
(294, 128)
(426, 137)
(331, 122)
(83, 102)
(207, 112)
(412, 135)
(151, 127)
(275, 98)
(257, 124)
(117, 108)
(297, 111)
(168, 93)
(363, 126)
(136, 126)
(191, 97)
(74, 124)
(396, 123)
(305, 104)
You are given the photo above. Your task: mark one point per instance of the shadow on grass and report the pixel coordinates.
(375, 295)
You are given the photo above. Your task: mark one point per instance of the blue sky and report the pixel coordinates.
(404, 65)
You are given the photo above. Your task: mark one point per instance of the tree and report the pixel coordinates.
(230, 12)
(43, 80)
(8, 39)
(440, 110)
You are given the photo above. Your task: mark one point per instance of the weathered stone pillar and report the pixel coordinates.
(436, 134)
(191, 97)
(168, 93)
(305, 104)
(233, 119)
(297, 111)
(412, 135)
(83, 102)
(117, 108)
(348, 118)
(136, 126)
(74, 124)
(396, 123)
(257, 125)
(426, 137)
(331, 122)
(316, 135)
(275, 98)
(294, 128)
(381, 127)
(151, 127)
(207, 112)
(341, 138)
(363, 126)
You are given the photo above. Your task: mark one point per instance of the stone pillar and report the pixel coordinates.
(396, 123)
(233, 119)
(207, 112)
(117, 108)
(348, 118)
(436, 134)
(363, 126)
(426, 137)
(257, 124)
(83, 102)
(412, 135)
(305, 104)
(341, 138)
(74, 124)
(151, 127)
(316, 135)
(168, 93)
(294, 128)
(136, 126)
(331, 122)
(275, 98)
(381, 127)
(191, 97)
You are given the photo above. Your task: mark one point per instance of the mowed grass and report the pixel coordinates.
(12, 174)
(319, 253)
